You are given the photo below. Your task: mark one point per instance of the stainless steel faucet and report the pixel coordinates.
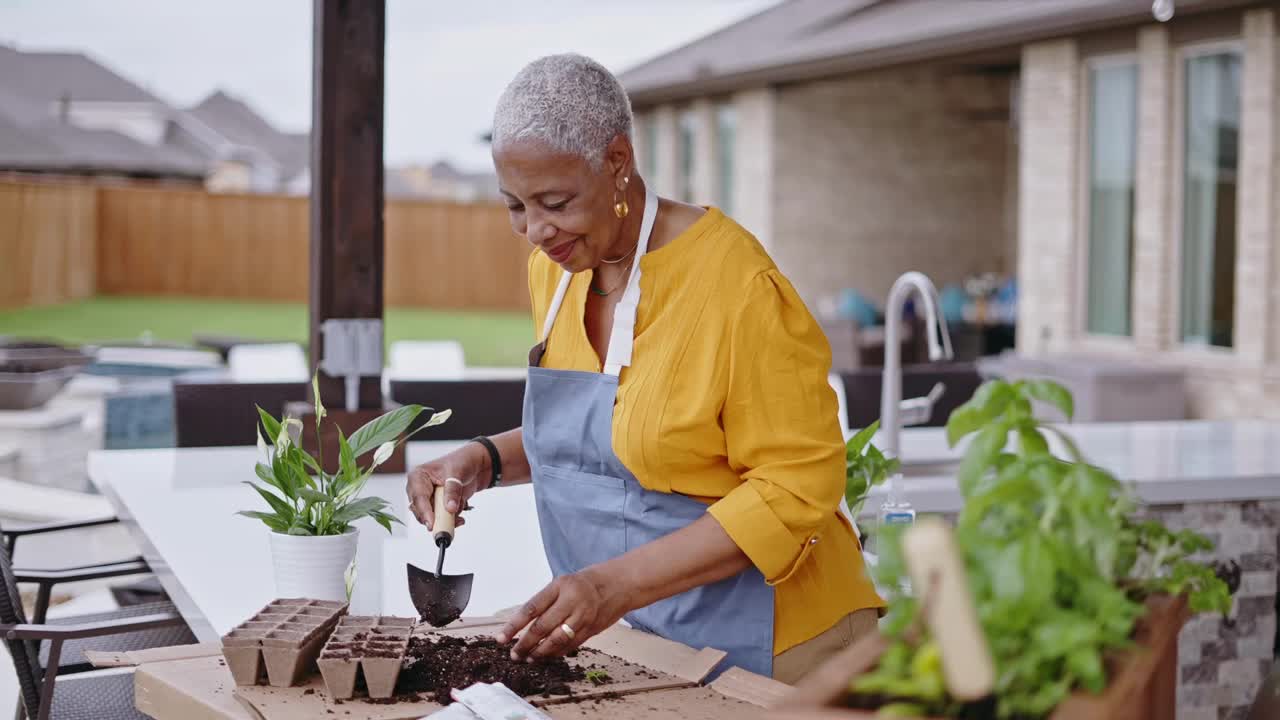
(893, 411)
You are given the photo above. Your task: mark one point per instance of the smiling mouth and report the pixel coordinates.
(561, 252)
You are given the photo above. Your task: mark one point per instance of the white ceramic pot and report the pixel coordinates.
(313, 567)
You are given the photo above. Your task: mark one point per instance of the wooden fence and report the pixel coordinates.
(161, 241)
(48, 236)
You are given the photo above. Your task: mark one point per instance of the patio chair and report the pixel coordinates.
(427, 360)
(268, 362)
(216, 412)
(41, 652)
(480, 407)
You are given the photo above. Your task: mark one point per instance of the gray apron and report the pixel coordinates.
(591, 508)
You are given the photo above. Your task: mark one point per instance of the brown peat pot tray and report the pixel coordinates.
(373, 647)
(284, 639)
(1143, 680)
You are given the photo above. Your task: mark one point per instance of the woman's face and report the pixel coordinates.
(559, 203)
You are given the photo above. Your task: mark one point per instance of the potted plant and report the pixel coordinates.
(1079, 603)
(310, 512)
(865, 468)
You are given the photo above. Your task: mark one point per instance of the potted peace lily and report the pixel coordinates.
(310, 512)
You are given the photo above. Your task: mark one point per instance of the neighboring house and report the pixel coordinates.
(251, 154)
(63, 113)
(1126, 169)
(443, 181)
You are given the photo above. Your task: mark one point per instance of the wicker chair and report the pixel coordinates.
(42, 651)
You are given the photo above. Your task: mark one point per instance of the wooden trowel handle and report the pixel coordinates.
(443, 526)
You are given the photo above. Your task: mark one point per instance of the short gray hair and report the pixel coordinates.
(569, 102)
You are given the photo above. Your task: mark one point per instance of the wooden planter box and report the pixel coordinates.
(1144, 680)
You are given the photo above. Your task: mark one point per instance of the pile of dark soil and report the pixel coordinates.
(433, 666)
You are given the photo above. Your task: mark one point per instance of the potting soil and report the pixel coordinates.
(435, 665)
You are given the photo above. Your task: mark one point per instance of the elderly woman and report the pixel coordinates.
(679, 431)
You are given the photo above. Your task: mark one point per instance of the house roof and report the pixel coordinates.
(807, 39)
(238, 122)
(53, 146)
(46, 77)
(34, 138)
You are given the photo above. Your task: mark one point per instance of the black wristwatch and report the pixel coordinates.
(495, 460)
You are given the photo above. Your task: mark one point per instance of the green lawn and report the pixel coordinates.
(489, 338)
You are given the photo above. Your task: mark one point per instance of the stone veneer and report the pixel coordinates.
(1221, 664)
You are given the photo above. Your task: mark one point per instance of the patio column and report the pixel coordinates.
(1155, 248)
(346, 176)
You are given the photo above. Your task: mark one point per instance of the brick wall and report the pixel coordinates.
(879, 173)
(1047, 214)
(1244, 381)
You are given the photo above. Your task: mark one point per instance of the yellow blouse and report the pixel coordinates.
(727, 400)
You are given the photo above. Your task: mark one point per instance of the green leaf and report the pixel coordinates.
(383, 429)
(310, 462)
(1051, 392)
(1086, 663)
(385, 519)
(272, 521)
(346, 457)
(314, 496)
(981, 455)
(269, 424)
(1030, 441)
(994, 396)
(266, 475)
(360, 508)
(860, 439)
(282, 508)
(964, 420)
(299, 530)
(283, 475)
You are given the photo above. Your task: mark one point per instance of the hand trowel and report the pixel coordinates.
(439, 598)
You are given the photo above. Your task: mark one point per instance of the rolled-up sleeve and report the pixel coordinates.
(781, 428)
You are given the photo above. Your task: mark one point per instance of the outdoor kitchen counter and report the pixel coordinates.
(1221, 478)
(1167, 462)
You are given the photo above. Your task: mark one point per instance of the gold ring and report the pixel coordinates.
(567, 630)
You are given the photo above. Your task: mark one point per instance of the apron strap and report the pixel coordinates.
(556, 301)
(622, 339)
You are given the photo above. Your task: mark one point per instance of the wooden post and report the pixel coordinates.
(346, 202)
(346, 176)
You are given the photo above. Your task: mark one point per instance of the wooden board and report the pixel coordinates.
(653, 677)
(627, 678)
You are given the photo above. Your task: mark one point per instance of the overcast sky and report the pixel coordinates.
(447, 60)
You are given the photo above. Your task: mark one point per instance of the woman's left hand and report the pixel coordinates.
(588, 602)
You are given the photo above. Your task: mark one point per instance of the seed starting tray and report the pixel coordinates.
(285, 637)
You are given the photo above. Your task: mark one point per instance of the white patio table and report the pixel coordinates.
(180, 504)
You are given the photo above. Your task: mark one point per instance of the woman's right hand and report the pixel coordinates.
(461, 473)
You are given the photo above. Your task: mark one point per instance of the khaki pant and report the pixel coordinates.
(798, 661)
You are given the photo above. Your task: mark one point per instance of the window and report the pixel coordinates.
(688, 121)
(650, 126)
(726, 125)
(1211, 112)
(1113, 117)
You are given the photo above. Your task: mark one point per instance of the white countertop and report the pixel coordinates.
(1166, 462)
(180, 506)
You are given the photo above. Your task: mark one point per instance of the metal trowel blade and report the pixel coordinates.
(439, 599)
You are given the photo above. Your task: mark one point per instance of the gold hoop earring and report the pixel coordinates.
(620, 205)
